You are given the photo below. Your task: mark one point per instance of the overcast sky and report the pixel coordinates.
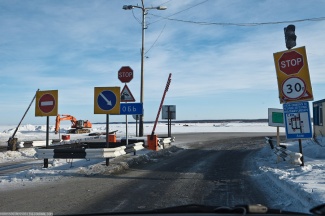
(219, 71)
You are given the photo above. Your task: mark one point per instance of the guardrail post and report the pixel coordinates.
(46, 163)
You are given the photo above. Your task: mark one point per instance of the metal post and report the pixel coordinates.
(300, 150)
(46, 160)
(144, 11)
(107, 130)
(126, 130)
(278, 135)
(136, 125)
(169, 121)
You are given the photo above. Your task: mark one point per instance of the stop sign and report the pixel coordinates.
(125, 74)
(291, 62)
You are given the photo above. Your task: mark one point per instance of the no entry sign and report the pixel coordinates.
(46, 103)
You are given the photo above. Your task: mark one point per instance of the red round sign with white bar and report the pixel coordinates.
(46, 103)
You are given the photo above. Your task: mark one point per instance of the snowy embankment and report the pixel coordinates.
(307, 182)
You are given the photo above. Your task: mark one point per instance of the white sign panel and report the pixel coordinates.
(297, 120)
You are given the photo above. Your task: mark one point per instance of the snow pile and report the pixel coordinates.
(307, 183)
(66, 168)
(21, 154)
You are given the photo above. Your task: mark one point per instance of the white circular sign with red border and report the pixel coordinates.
(294, 87)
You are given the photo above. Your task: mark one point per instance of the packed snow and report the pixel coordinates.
(305, 182)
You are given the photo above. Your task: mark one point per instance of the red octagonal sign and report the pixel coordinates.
(125, 74)
(291, 62)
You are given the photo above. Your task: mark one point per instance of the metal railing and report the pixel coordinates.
(282, 152)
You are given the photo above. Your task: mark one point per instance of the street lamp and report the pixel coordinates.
(144, 13)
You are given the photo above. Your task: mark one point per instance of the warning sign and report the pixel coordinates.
(126, 95)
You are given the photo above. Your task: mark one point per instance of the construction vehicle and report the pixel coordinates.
(77, 126)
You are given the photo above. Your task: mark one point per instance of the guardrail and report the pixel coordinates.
(94, 153)
(282, 152)
(40, 143)
(165, 140)
(83, 153)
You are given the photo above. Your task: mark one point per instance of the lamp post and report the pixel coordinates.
(143, 26)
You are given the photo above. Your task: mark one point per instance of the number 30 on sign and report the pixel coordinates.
(293, 87)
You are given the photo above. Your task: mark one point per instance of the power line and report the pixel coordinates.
(178, 11)
(156, 40)
(241, 24)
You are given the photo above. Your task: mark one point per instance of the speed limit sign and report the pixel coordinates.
(293, 88)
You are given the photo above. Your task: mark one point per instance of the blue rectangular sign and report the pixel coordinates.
(297, 120)
(131, 109)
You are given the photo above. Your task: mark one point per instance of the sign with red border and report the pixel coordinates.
(126, 95)
(46, 103)
(293, 75)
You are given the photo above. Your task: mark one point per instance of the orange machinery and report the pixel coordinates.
(77, 126)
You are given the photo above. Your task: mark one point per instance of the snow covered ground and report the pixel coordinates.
(307, 182)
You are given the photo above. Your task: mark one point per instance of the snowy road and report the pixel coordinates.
(62, 188)
(211, 172)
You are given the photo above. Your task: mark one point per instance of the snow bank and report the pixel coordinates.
(306, 183)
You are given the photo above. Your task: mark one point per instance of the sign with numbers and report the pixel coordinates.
(293, 75)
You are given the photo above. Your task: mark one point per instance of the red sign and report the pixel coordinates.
(291, 62)
(125, 74)
(46, 103)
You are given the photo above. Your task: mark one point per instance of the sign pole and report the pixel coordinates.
(278, 135)
(300, 143)
(46, 160)
(302, 157)
(107, 130)
(136, 126)
(169, 122)
(107, 136)
(126, 130)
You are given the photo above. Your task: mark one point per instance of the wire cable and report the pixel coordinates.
(178, 12)
(156, 39)
(242, 24)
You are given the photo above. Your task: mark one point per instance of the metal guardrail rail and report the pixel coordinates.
(282, 152)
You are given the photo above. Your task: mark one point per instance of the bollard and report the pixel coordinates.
(152, 142)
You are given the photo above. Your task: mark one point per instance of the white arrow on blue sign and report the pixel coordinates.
(131, 109)
(106, 100)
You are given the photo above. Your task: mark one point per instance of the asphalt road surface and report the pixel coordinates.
(211, 169)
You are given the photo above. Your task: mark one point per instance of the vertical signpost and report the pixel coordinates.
(276, 120)
(168, 112)
(46, 105)
(125, 75)
(107, 101)
(294, 86)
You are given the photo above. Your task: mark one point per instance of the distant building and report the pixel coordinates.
(318, 118)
